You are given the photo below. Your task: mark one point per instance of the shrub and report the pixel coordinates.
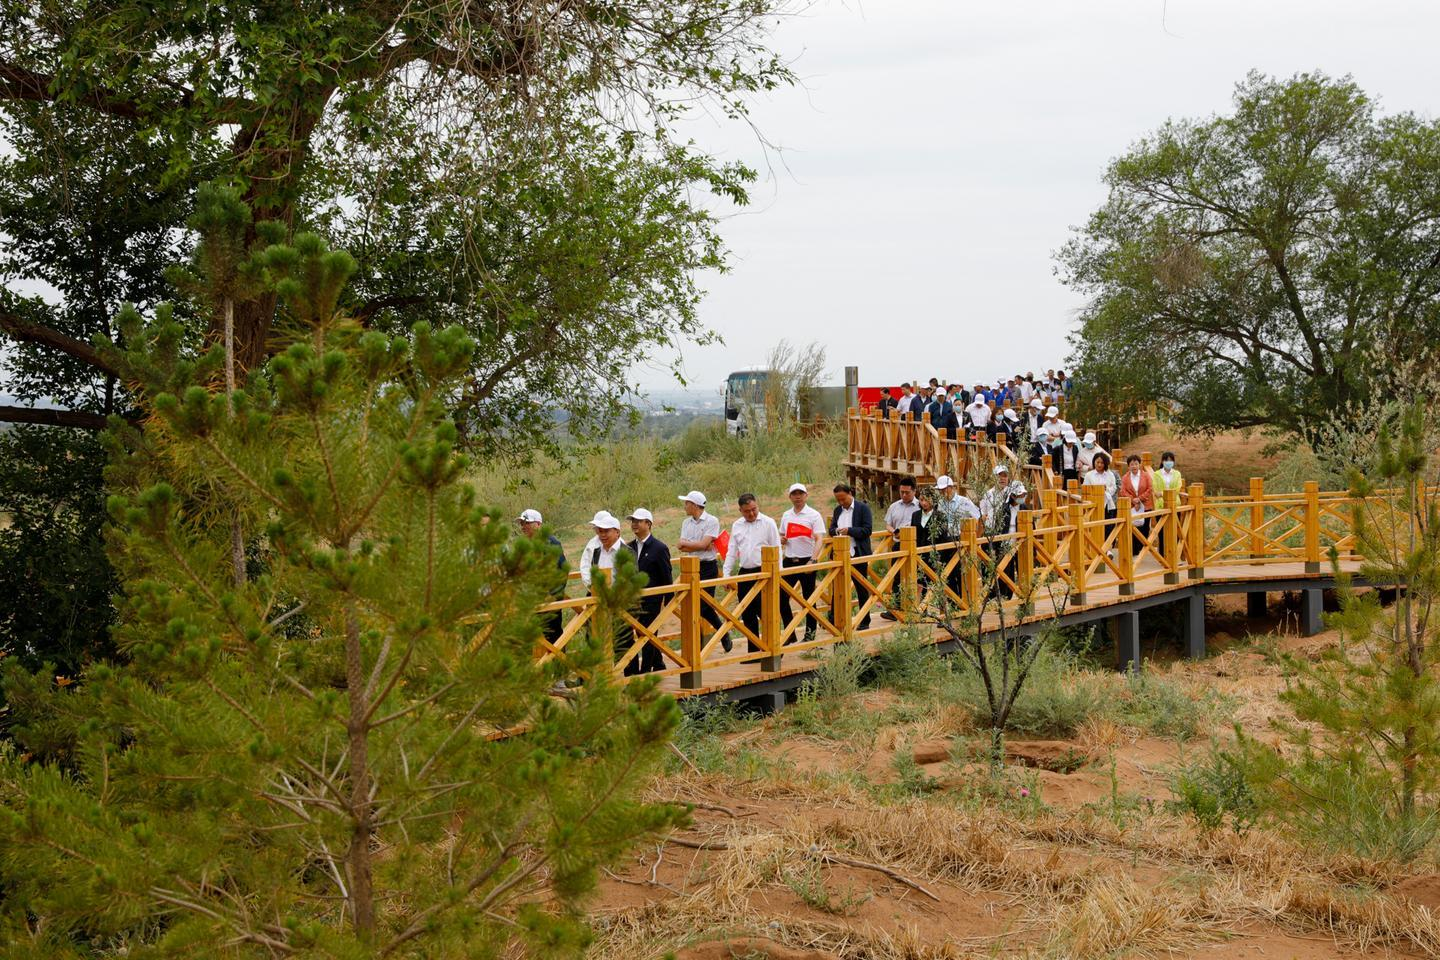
(1057, 697)
(1219, 788)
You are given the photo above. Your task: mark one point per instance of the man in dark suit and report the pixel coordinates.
(943, 417)
(852, 518)
(886, 404)
(652, 558)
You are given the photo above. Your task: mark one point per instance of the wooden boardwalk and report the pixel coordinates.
(1104, 600)
(1070, 562)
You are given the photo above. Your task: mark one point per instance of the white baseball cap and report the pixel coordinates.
(1037, 404)
(1090, 436)
(1052, 411)
(1001, 468)
(695, 497)
(1069, 436)
(944, 482)
(640, 513)
(1011, 414)
(797, 486)
(605, 521)
(530, 516)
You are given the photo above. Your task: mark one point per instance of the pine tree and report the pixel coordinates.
(1369, 709)
(352, 752)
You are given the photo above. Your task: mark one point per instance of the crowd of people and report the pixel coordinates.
(937, 512)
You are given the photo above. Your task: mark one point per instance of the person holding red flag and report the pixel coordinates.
(801, 529)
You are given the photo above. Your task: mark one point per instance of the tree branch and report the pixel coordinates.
(18, 83)
(27, 332)
(48, 417)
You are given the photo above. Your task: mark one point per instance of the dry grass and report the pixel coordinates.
(1071, 876)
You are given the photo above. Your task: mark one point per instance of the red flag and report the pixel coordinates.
(722, 543)
(795, 530)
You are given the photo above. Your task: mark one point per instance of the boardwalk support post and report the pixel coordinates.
(840, 610)
(690, 623)
(1079, 556)
(1312, 526)
(1195, 546)
(1127, 640)
(1255, 604)
(770, 608)
(1025, 557)
(1125, 547)
(1194, 625)
(1170, 539)
(908, 582)
(1257, 518)
(1311, 621)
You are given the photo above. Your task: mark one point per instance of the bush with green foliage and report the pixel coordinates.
(54, 577)
(309, 762)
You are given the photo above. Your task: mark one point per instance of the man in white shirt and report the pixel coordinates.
(979, 415)
(907, 397)
(898, 515)
(801, 529)
(600, 551)
(748, 535)
(697, 539)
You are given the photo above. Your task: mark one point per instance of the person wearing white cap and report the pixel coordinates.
(530, 524)
(1007, 425)
(1069, 456)
(698, 532)
(652, 558)
(953, 507)
(999, 516)
(748, 535)
(978, 414)
(997, 508)
(600, 551)
(1053, 425)
(801, 530)
(1088, 448)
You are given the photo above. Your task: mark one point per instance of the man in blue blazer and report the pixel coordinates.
(852, 518)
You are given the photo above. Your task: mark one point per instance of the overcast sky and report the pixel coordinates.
(939, 151)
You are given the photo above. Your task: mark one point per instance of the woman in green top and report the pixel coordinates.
(1167, 478)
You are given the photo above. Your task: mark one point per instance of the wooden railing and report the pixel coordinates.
(1065, 546)
(901, 447)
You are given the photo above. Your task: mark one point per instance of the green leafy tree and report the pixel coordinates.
(310, 762)
(456, 147)
(1368, 710)
(1258, 268)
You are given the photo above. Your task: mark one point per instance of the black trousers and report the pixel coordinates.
(750, 616)
(649, 659)
(861, 567)
(805, 581)
(709, 570)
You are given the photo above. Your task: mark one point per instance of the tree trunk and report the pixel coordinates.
(362, 831)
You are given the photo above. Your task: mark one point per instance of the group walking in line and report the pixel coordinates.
(936, 512)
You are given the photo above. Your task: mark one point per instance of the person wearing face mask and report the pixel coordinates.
(1100, 475)
(1136, 485)
(1088, 449)
(1066, 453)
(1167, 478)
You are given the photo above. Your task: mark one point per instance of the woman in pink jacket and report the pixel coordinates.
(1136, 485)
